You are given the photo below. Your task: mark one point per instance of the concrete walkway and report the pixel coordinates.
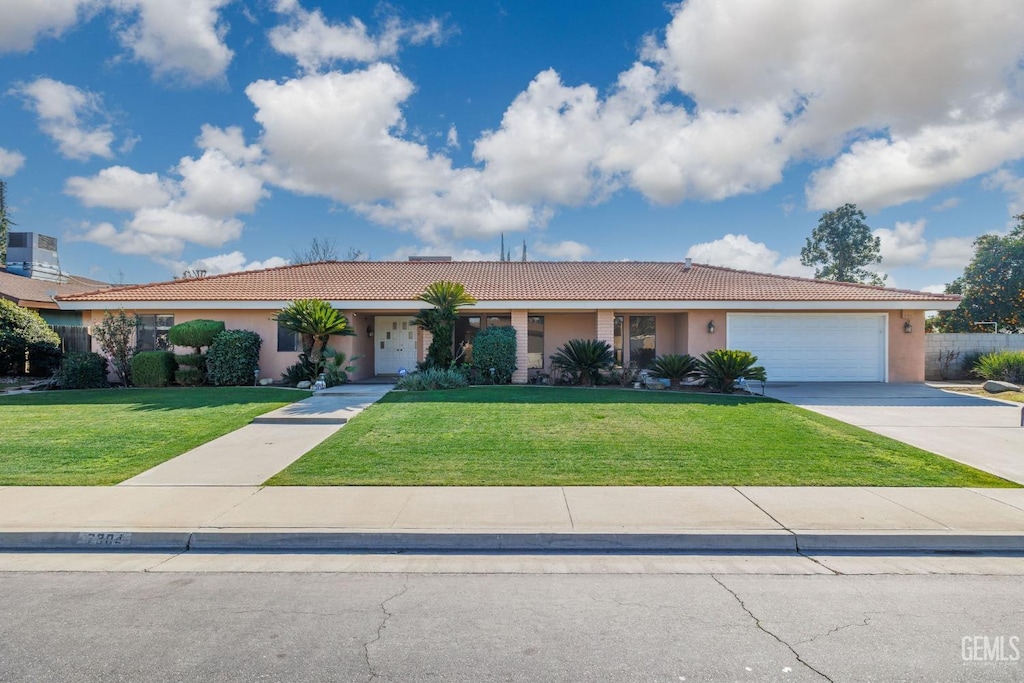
(251, 455)
(512, 519)
(976, 431)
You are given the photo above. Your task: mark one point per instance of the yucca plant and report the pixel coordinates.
(722, 367)
(584, 358)
(675, 367)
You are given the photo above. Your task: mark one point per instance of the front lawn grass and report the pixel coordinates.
(104, 436)
(547, 436)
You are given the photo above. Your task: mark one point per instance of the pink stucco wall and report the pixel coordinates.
(906, 351)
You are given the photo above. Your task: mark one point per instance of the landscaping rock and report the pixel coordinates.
(994, 387)
(266, 382)
(304, 384)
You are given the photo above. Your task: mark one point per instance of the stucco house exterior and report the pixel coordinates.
(801, 329)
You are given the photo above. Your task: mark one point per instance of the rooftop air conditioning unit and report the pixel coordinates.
(33, 255)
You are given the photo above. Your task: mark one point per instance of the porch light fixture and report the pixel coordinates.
(711, 327)
(369, 330)
(907, 327)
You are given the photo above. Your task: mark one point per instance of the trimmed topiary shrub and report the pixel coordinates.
(195, 333)
(495, 348)
(81, 370)
(153, 368)
(233, 358)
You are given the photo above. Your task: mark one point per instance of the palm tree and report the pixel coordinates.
(446, 298)
(315, 321)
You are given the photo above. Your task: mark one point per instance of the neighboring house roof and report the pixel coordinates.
(505, 281)
(32, 293)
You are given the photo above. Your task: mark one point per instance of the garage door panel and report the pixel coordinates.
(813, 347)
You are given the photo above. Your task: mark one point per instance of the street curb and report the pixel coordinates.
(374, 541)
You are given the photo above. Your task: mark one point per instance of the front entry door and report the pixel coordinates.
(395, 337)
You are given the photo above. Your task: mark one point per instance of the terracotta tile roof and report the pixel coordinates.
(504, 281)
(32, 293)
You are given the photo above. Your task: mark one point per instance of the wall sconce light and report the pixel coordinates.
(711, 327)
(907, 327)
(369, 330)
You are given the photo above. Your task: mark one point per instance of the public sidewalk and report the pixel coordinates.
(511, 519)
(273, 441)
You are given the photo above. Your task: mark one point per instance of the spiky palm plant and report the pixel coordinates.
(675, 367)
(584, 358)
(446, 298)
(722, 367)
(315, 321)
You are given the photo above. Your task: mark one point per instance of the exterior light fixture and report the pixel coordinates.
(907, 327)
(255, 376)
(369, 330)
(711, 327)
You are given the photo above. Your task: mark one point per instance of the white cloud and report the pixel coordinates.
(566, 250)
(947, 204)
(199, 206)
(878, 172)
(452, 139)
(25, 21)
(11, 161)
(934, 289)
(232, 262)
(119, 187)
(1012, 185)
(442, 249)
(951, 252)
(742, 253)
(61, 109)
(338, 135)
(183, 39)
(904, 244)
(316, 43)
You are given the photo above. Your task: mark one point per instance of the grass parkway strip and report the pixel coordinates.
(104, 436)
(548, 436)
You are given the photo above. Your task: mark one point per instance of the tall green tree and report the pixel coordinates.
(841, 246)
(446, 299)
(5, 224)
(315, 321)
(992, 286)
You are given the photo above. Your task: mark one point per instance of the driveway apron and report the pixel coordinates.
(976, 431)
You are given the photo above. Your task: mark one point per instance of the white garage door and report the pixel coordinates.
(813, 347)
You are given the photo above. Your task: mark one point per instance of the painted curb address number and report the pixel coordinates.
(105, 539)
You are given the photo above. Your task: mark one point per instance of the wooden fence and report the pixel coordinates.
(73, 337)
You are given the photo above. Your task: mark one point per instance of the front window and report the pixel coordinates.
(642, 349)
(153, 331)
(287, 340)
(535, 342)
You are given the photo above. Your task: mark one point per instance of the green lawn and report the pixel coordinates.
(104, 436)
(534, 436)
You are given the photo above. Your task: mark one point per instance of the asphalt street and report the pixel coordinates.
(747, 626)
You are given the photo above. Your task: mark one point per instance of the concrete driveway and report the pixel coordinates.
(976, 431)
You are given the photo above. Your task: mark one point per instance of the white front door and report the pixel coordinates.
(395, 337)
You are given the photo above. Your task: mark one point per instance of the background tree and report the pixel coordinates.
(992, 286)
(841, 245)
(5, 224)
(325, 249)
(446, 298)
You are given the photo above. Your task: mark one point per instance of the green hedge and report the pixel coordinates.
(153, 368)
(495, 348)
(81, 370)
(233, 358)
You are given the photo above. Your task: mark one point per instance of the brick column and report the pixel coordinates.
(521, 375)
(606, 326)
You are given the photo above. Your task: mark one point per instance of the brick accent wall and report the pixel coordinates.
(521, 375)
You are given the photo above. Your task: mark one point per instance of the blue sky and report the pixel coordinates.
(152, 136)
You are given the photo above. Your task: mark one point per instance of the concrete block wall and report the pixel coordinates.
(935, 345)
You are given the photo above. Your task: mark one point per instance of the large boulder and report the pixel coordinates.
(994, 387)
